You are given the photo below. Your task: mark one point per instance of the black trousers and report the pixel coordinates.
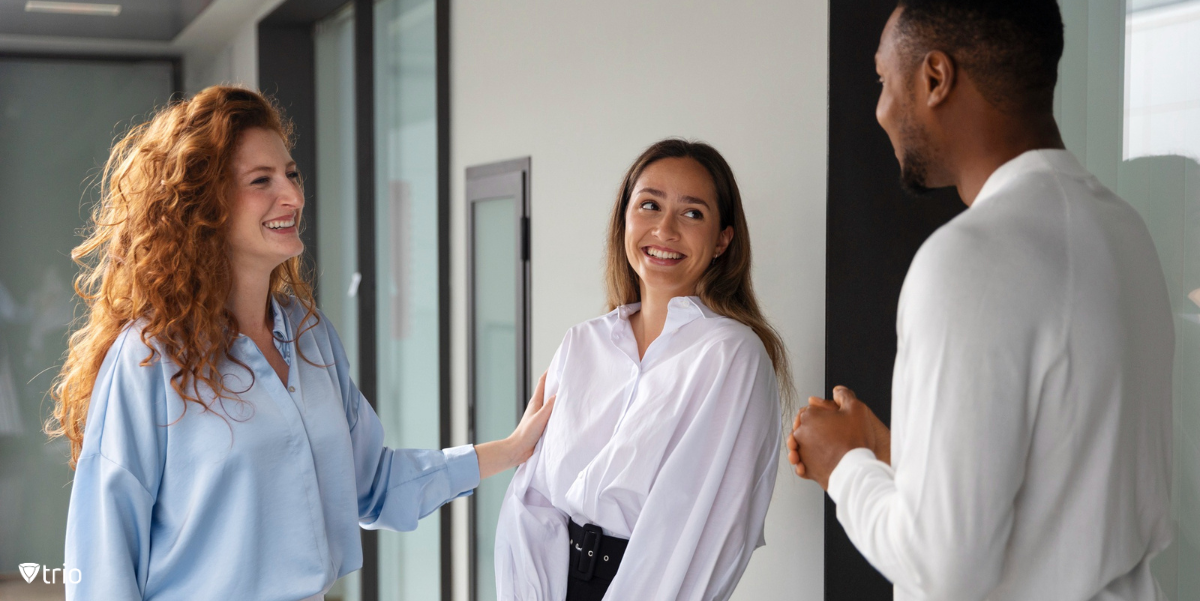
(593, 563)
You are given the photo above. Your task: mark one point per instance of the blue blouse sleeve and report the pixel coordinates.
(119, 469)
(397, 487)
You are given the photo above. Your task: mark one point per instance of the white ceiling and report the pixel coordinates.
(157, 20)
(144, 27)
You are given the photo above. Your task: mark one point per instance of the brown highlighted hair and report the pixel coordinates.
(725, 287)
(156, 251)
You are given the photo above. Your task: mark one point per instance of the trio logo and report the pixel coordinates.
(29, 571)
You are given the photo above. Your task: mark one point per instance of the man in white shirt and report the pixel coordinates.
(1029, 456)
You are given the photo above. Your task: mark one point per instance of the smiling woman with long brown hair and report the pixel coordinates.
(221, 449)
(654, 475)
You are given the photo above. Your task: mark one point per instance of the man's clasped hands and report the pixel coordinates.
(825, 430)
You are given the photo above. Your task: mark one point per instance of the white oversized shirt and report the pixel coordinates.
(676, 452)
(1031, 402)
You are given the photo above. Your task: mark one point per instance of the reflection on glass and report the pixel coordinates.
(1161, 177)
(1129, 105)
(1162, 112)
(57, 120)
(335, 195)
(406, 255)
(496, 386)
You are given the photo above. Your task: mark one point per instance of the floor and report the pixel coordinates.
(14, 588)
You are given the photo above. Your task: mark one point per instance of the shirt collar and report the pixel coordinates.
(280, 329)
(279, 322)
(280, 333)
(624, 311)
(680, 310)
(1031, 161)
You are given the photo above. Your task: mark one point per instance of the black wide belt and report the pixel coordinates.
(594, 555)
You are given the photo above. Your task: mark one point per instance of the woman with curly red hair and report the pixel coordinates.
(221, 449)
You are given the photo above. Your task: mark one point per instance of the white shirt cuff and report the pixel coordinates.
(843, 473)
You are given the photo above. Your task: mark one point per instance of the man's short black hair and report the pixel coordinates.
(1009, 48)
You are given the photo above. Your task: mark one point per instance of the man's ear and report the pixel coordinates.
(938, 76)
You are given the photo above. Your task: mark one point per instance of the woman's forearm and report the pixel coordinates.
(495, 457)
(499, 455)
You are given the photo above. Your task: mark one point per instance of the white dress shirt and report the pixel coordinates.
(1031, 402)
(676, 452)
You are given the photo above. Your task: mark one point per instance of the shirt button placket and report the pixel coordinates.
(633, 386)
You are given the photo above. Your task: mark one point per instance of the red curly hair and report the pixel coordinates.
(156, 251)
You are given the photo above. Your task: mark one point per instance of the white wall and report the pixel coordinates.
(234, 63)
(583, 88)
(221, 45)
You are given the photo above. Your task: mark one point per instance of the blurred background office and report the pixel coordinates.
(460, 159)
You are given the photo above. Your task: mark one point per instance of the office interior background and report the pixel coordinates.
(461, 158)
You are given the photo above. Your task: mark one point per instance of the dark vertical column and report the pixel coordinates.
(442, 33)
(364, 152)
(525, 300)
(176, 78)
(874, 229)
(286, 56)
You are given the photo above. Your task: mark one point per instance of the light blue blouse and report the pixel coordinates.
(260, 498)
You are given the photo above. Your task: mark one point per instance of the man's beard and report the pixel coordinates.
(914, 172)
(915, 160)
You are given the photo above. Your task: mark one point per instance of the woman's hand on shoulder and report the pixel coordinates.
(497, 456)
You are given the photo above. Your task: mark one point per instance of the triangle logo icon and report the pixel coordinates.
(29, 570)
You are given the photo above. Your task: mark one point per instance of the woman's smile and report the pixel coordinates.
(659, 255)
(285, 225)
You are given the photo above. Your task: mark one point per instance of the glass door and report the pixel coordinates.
(498, 385)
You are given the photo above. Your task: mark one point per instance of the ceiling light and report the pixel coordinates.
(73, 8)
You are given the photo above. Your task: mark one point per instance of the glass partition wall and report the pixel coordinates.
(407, 271)
(1128, 102)
(337, 274)
(53, 142)
(401, 282)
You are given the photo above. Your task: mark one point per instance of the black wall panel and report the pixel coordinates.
(874, 229)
